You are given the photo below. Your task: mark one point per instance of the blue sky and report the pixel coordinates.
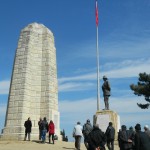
(124, 29)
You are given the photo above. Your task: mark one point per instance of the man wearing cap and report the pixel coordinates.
(106, 92)
(146, 129)
(87, 128)
(125, 141)
(77, 134)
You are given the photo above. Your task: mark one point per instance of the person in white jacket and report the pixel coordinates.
(77, 134)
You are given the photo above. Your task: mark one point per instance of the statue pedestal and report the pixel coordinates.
(103, 117)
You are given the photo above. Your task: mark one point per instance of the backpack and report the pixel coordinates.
(87, 128)
(110, 133)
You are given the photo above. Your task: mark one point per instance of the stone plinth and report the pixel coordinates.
(33, 91)
(104, 117)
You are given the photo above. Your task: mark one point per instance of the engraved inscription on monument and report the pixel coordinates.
(33, 91)
(103, 121)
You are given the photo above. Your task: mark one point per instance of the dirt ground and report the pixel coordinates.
(36, 145)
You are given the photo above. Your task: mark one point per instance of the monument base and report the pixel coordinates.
(18, 132)
(103, 117)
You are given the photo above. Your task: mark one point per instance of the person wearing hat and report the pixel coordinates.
(142, 140)
(106, 92)
(125, 140)
(87, 128)
(146, 129)
(77, 134)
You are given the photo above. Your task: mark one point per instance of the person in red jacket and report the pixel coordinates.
(51, 130)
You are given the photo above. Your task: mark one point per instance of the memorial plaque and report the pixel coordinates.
(104, 117)
(103, 121)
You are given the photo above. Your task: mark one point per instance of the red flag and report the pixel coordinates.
(96, 13)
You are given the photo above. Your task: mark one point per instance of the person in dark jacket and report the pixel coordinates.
(40, 128)
(119, 140)
(51, 130)
(142, 140)
(87, 128)
(96, 139)
(131, 132)
(28, 126)
(125, 141)
(110, 136)
(131, 135)
(44, 127)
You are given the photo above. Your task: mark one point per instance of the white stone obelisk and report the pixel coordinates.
(33, 90)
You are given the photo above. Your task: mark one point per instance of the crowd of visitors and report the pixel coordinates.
(133, 139)
(96, 139)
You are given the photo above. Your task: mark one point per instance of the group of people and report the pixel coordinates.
(95, 139)
(44, 127)
(134, 139)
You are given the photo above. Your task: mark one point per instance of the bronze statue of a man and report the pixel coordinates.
(106, 92)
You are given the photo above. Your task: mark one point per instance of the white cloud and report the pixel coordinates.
(132, 69)
(118, 104)
(4, 87)
(124, 69)
(127, 68)
(68, 106)
(127, 104)
(75, 86)
(88, 76)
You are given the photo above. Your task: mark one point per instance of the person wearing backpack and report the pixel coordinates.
(87, 128)
(110, 136)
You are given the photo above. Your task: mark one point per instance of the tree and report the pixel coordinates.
(142, 89)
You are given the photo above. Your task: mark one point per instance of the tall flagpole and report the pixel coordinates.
(97, 54)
